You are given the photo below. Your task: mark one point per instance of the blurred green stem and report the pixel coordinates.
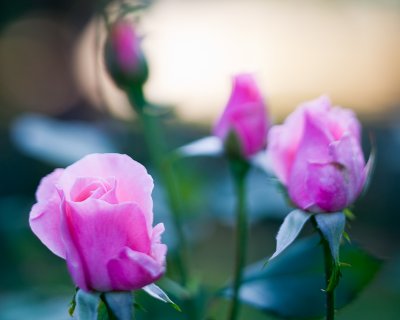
(154, 138)
(239, 168)
(329, 294)
(156, 145)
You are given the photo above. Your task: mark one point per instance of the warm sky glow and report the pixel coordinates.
(298, 50)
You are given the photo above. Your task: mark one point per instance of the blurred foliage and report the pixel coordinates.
(296, 279)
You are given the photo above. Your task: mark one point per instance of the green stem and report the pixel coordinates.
(154, 138)
(328, 264)
(329, 294)
(239, 170)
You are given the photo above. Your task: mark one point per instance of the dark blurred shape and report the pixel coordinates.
(78, 10)
(35, 64)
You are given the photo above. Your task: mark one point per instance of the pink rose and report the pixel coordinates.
(97, 215)
(316, 153)
(245, 116)
(124, 57)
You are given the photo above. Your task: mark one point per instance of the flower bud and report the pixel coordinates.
(244, 124)
(316, 153)
(123, 56)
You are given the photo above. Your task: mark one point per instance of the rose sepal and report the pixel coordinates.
(159, 294)
(113, 305)
(331, 228)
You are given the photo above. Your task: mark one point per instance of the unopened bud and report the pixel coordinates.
(123, 56)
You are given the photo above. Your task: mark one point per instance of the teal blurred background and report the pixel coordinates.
(57, 104)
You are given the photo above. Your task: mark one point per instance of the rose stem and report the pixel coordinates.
(328, 263)
(239, 170)
(156, 145)
(329, 294)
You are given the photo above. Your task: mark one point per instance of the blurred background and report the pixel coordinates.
(58, 104)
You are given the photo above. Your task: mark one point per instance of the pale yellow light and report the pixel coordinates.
(298, 49)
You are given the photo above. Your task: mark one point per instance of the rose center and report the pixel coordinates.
(93, 188)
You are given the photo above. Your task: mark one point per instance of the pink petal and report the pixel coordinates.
(133, 270)
(45, 215)
(347, 152)
(312, 150)
(126, 45)
(244, 90)
(343, 121)
(326, 187)
(158, 249)
(251, 127)
(134, 184)
(245, 115)
(95, 188)
(94, 232)
(284, 139)
(46, 188)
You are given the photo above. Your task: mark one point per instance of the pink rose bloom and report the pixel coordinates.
(245, 116)
(316, 153)
(97, 215)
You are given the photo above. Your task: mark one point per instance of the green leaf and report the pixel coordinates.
(175, 288)
(332, 226)
(259, 160)
(289, 230)
(128, 8)
(349, 214)
(138, 306)
(291, 286)
(119, 304)
(87, 304)
(72, 304)
(334, 278)
(156, 292)
(209, 146)
(103, 313)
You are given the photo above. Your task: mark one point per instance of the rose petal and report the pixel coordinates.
(94, 232)
(134, 184)
(342, 121)
(45, 215)
(133, 270)
(95, 188)
(326, 187)
(46, 189)
(313, 150)
(251, 126)
(347, 152)
(158, 249)
(245, 115)
(283, 142)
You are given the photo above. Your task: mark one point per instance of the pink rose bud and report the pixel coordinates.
(97, 215)
(124, 58)
(316, 153)
(244, 118)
